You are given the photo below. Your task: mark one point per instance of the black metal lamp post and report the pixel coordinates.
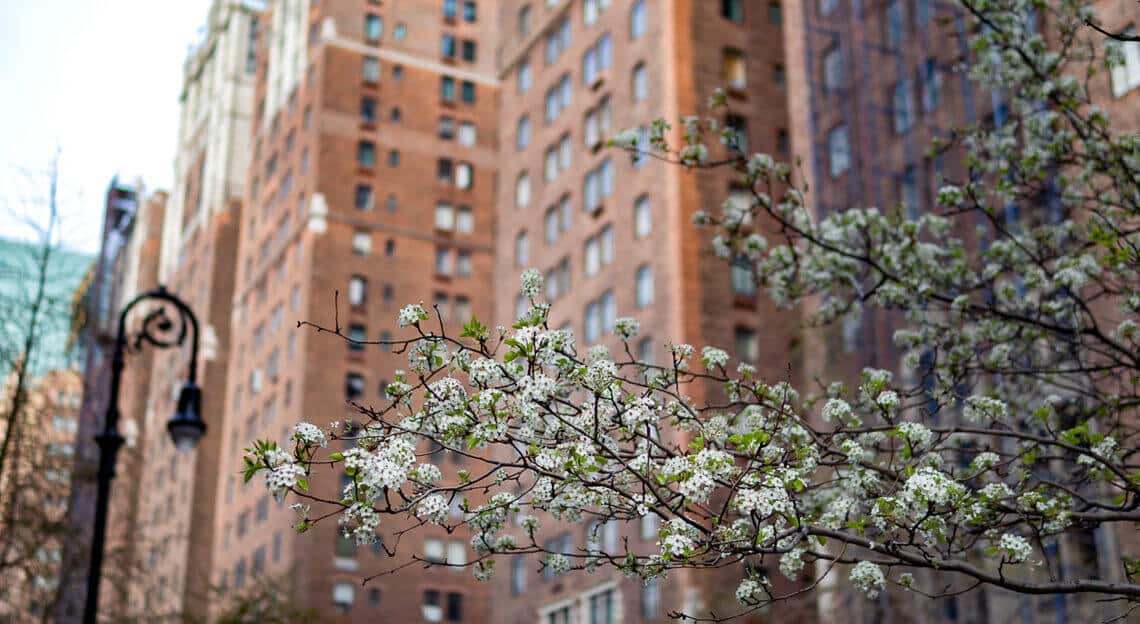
(186, 426)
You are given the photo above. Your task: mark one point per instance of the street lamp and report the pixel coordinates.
(186, 427)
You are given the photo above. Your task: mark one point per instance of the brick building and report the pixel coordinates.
(613, 236)
(871, 86)
(36, 482)
(175, 507)
(371, 176)
(338, 159)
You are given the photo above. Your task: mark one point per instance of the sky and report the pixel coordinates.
(99, 81)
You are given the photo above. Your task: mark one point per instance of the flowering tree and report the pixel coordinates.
(1021, 335)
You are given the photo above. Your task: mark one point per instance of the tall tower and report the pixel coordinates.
(371, 185)
(176, 505)
(613, 236)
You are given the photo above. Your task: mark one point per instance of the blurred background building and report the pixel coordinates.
(338, 159)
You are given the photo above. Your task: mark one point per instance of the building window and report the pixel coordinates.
(522, 250)
(450, 9)
(522, 77)
(908, 192)
(522, 133)
(368, 109)
(343, 595)
(1126, 76)
(469, 12)
(651, 599)
(468, 50)
(733, 69)
(467, 92)
(390, 203)
(642, 217)
(779, 75)
(345, 546)
(591, 9)
(596, 59)
(550, 164)
(464, 220)
(524, 20)
(637, 19)
(444, 217)
(353, 386)
(558, 97)
(832, 69)
(357, 334)
(361, 243)
(432, 611)
(522, 190)
(393, 158)
(374, 597)
(838, 151)
(602, 607)
(447, 89)
(747, 348)
(743, 277)
(373, 28)
(650, 522)
(644, 286)
(732, 9)
(366, 153)
(447, 46)
(775, 13)
(894, 24)
(826, 7)
(783, 141)
(363, 197)
(464, 177)
(902, 106)
(446, 128)
(639, 83)
(371, 69)
(444, 168)
(598, 123)
(550, 224)
(739, 126)
(462, 269)
(357, 290)
(932, 84)
(454, 607)
(592, 330)
(442, 261)
(518, 575)
(400, 32)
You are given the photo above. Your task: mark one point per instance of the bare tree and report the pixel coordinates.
(40, 396)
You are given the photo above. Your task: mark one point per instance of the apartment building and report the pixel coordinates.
(175, 507)
(36, 482)
(871, 86)
(613, 235)
(370, 185)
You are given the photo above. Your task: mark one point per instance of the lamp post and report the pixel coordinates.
(185, 427)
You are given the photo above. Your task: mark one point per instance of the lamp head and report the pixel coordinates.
(186, 427)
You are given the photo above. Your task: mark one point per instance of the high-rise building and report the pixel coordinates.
(370, 185)
(94, 329)
(176, 506)
(613, 235)
(338, 159)
(871, 86)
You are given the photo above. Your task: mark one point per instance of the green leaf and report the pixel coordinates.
(303, 484)
(337, 457)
